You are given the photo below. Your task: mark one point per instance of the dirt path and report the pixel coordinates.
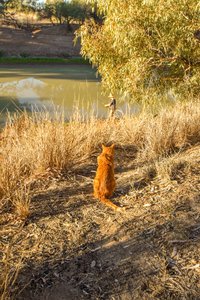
(76, 248)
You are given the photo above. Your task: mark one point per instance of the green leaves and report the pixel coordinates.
(64, 11)
(143, 43)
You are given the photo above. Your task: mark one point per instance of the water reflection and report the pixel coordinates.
(39, 88)
(25, 91)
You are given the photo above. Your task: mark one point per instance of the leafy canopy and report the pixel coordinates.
(65, 11)
(19, 5)
(144, 43)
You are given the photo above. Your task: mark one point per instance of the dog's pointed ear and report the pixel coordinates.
(112, 146)
(103, 146)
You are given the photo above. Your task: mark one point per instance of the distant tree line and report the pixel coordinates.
(63, 12)
(57, 11)
(10, 8)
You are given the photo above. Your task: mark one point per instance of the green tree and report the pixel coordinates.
(19, 5)
(144, 43)
(47, 11)
(65, 12)
(10, 8)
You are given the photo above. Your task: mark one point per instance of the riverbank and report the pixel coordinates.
(48, 41)
(60, 243)
(43, 60)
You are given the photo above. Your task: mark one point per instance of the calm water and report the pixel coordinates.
(50, 88)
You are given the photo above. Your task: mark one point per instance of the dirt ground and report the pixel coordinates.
(73, 247)
(48, 41)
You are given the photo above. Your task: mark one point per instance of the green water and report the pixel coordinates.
(50, 88)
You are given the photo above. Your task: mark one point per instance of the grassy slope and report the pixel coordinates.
(54, 230)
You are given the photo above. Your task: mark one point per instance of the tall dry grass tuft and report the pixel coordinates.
(172, 129)
(21, 202)
(32, 146)
(9, 273)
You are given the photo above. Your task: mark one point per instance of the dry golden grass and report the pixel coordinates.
(38, 147)
(32, 146)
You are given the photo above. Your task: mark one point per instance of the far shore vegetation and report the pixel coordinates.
(43, 60)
